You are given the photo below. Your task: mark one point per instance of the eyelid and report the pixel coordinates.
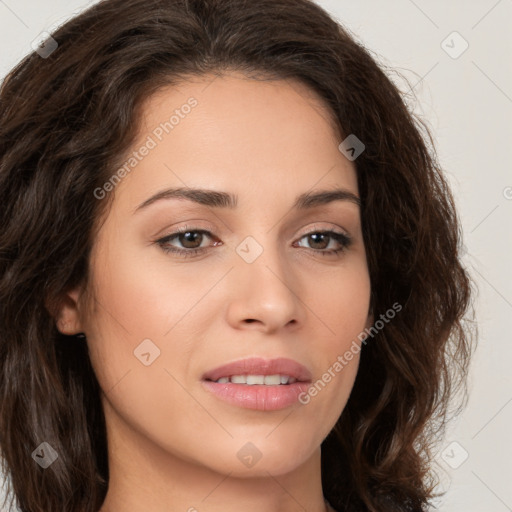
(330, 227)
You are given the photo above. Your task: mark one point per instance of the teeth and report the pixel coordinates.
(250, 380)
(272, 380)
(255, 379)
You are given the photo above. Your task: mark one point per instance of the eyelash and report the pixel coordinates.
(344, 240)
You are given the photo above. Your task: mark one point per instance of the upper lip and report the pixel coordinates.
(260, 366)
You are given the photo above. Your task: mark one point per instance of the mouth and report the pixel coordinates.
(259, 384)
(251, 380)
(259, 371)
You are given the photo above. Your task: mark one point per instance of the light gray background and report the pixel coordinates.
(467, 102)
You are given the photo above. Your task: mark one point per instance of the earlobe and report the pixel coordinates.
(66, 314)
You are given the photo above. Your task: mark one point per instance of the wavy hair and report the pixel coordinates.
(67, 122)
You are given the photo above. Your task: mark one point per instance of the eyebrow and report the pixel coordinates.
(218, 199)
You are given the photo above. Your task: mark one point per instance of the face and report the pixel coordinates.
(180, 286)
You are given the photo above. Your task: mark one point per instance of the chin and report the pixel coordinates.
(260, 457)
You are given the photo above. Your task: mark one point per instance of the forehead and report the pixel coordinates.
(235, 96)
(236, 134)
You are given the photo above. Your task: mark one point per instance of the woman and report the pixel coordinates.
(230, 268)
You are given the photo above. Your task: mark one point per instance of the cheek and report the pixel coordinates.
(145, 295)
(145, 311)
(343, 310)
(138, 366)
(341, 303)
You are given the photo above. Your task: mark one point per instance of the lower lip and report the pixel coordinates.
(258, 396)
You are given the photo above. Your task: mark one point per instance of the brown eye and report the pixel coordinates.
(189, 241)
(319, 241)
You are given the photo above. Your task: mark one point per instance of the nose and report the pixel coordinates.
(265, 294)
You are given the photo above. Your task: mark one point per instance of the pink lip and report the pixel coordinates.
(259, 397)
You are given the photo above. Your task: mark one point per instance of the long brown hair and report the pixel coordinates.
(67, 120)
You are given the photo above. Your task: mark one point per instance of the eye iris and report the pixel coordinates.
(314, 237)
(188, 237)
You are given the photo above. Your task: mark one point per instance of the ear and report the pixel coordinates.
(67, 313)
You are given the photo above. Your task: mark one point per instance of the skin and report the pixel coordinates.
(172, 445)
